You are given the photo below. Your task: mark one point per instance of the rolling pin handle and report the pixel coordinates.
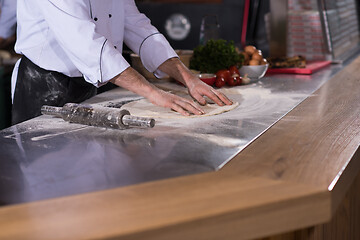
(51, 110)
(133, 121)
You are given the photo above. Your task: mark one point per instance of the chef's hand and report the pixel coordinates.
(181, 105)
(133, 81)
(197, 88)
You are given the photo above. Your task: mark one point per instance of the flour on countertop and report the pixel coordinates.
(255, 102)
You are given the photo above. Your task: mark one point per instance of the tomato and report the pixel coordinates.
(239, 81)
(234, 71)
(234, 81)
(231, 81)
(220, 82)
(223, 73)
(231, 77)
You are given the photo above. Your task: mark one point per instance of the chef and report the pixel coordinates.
(7, 23)
(71, 47)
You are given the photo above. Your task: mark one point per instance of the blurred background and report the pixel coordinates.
(230, 14)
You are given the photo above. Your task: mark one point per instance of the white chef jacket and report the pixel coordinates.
(7, 18)
(85, 37)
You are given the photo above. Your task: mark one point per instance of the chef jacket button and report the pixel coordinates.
(115, 47)
(110, 15)
(95, 18)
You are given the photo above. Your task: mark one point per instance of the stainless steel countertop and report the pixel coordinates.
(46, 157)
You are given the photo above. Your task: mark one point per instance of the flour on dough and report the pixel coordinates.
(144, 108)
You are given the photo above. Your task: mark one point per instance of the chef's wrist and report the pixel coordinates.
(185, 75)
(175, 69)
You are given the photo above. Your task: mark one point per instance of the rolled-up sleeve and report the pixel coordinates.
(111, 63)
(8, 18)
(94, 56)
(145, 40)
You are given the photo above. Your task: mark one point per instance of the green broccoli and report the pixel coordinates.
(215, 55)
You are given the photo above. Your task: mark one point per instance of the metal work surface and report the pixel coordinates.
(47, 157)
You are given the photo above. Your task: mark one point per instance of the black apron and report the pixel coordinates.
(36, 87)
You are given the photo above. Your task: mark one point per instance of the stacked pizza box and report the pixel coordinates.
(300, 5)
(304, 31)
(305, 35)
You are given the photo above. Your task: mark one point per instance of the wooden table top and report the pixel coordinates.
(292, 176)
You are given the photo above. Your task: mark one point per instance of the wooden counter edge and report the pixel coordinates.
(211, 206)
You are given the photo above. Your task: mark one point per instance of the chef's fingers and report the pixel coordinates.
(179, 109)
(218, 97)
(198, 97)
(183, 111)
(222, 97)
(190, 106)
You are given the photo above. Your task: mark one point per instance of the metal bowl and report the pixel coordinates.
(254, 72)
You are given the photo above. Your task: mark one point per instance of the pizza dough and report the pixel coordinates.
(144, 108)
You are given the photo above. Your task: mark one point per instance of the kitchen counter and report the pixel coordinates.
(293, 171)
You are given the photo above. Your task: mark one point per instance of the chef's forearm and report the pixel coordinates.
(131, 80)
